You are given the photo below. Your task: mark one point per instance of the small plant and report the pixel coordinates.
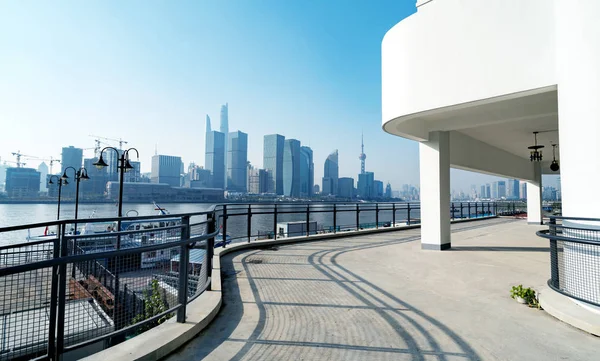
(524, 295)
(154, 305)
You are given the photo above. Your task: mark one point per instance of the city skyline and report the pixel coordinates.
(67, 75)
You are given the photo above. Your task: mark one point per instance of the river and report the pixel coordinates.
(18, 214)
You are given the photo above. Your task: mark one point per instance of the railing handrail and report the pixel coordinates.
(545, 233)
(576, 218)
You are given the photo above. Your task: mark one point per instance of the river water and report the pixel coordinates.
(237, 223)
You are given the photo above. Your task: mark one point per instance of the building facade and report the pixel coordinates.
(237, 158)
(215, 158)
(70, 157)
(273, 161)
(166, 169)
(291, 168)
(225, 130)
(307, 172)
(22, 182)
(365, 185)
(330, 174)
(345, 187)
(257, 181)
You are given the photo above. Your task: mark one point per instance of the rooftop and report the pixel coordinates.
(381, 297)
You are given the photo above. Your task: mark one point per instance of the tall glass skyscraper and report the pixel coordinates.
(166, 169)
(291, 168)
(331, 175)
(366, 185)
(225, 130)
(237, 159)
(307, 172)
(215, 158)
(71, 157)
(273, 162)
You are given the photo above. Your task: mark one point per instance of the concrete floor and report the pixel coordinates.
(381, 297)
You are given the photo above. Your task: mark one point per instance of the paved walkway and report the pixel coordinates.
(381, 297)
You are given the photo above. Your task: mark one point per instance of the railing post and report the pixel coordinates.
(62, 295)
(275, 222)
(376, 215)
(224, 225)
(476, 215)
(249, 221)
(452, 210)
(357, 217)
(334, 218)
(489, 213)
(52, 353)
(461, 210)
(393, 214)
(554, 255)
(307, 220)
(408, 214)
(468, 210)
(210, 248)
(184, 262)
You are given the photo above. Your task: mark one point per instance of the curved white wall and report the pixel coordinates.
(456, 51)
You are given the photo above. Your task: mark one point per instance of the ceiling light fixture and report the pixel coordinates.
(554, 165)
(536, 153)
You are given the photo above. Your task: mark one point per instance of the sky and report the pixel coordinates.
(149, 71)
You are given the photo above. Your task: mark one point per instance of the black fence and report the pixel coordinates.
(84, 285)
(575, 257)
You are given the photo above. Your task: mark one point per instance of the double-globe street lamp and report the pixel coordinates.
(80, 174)
(61, 181)
(122, 166)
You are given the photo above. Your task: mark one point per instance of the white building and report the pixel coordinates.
(472, 81)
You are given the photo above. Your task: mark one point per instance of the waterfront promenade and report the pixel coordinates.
(380, 297)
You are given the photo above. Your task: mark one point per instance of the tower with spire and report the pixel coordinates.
(362, 155)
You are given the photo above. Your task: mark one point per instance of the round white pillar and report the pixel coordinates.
(578, 79)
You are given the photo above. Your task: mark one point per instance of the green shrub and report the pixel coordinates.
(528, 294)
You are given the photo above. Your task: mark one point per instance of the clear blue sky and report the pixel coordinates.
(149, 72)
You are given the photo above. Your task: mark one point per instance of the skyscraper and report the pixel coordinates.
(388, 190)
(237, 158)
(215, 158)
(71, 157)
(307, 172)
(94, 187)
(378, 188)
(512, 191)
(257, 180)
(482, 193)
(43, 169)
(291, 168)
(330, 174)
(273, 162)
(225, 130)
(365, 185)
(346, 187)
(166, 169)
(22, 182)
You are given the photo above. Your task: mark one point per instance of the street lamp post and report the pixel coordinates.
(80, 175)
(61, 181)
(123, 166)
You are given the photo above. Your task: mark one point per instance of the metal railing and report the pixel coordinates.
(574, 257)
(94, 283)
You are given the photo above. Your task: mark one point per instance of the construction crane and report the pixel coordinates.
(98, 142)
(9, 161)
(18, 154)
(51, 161)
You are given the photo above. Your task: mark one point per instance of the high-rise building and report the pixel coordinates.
(3, 168)
(512, 191)
(523, 193)
(307, 172)
(273, 162)
(95, 187)
(134, 174)
(225, 130)
(166, 169)
(291, 168)
(378, 188)
(330, 174)
(22, 182)
(316, 189)
(215, 158)
(237, 158)
(345, 187)
(488, 191)
(482, 192)
(388, 191)
(43, 169)
(71, 157)
(257, 180)
(365, 185)
(498, 190)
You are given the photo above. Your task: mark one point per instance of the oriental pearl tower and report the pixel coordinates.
(362, 155)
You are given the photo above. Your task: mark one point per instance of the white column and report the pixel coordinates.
(534, 197)
(434, 156)
(578, 78)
